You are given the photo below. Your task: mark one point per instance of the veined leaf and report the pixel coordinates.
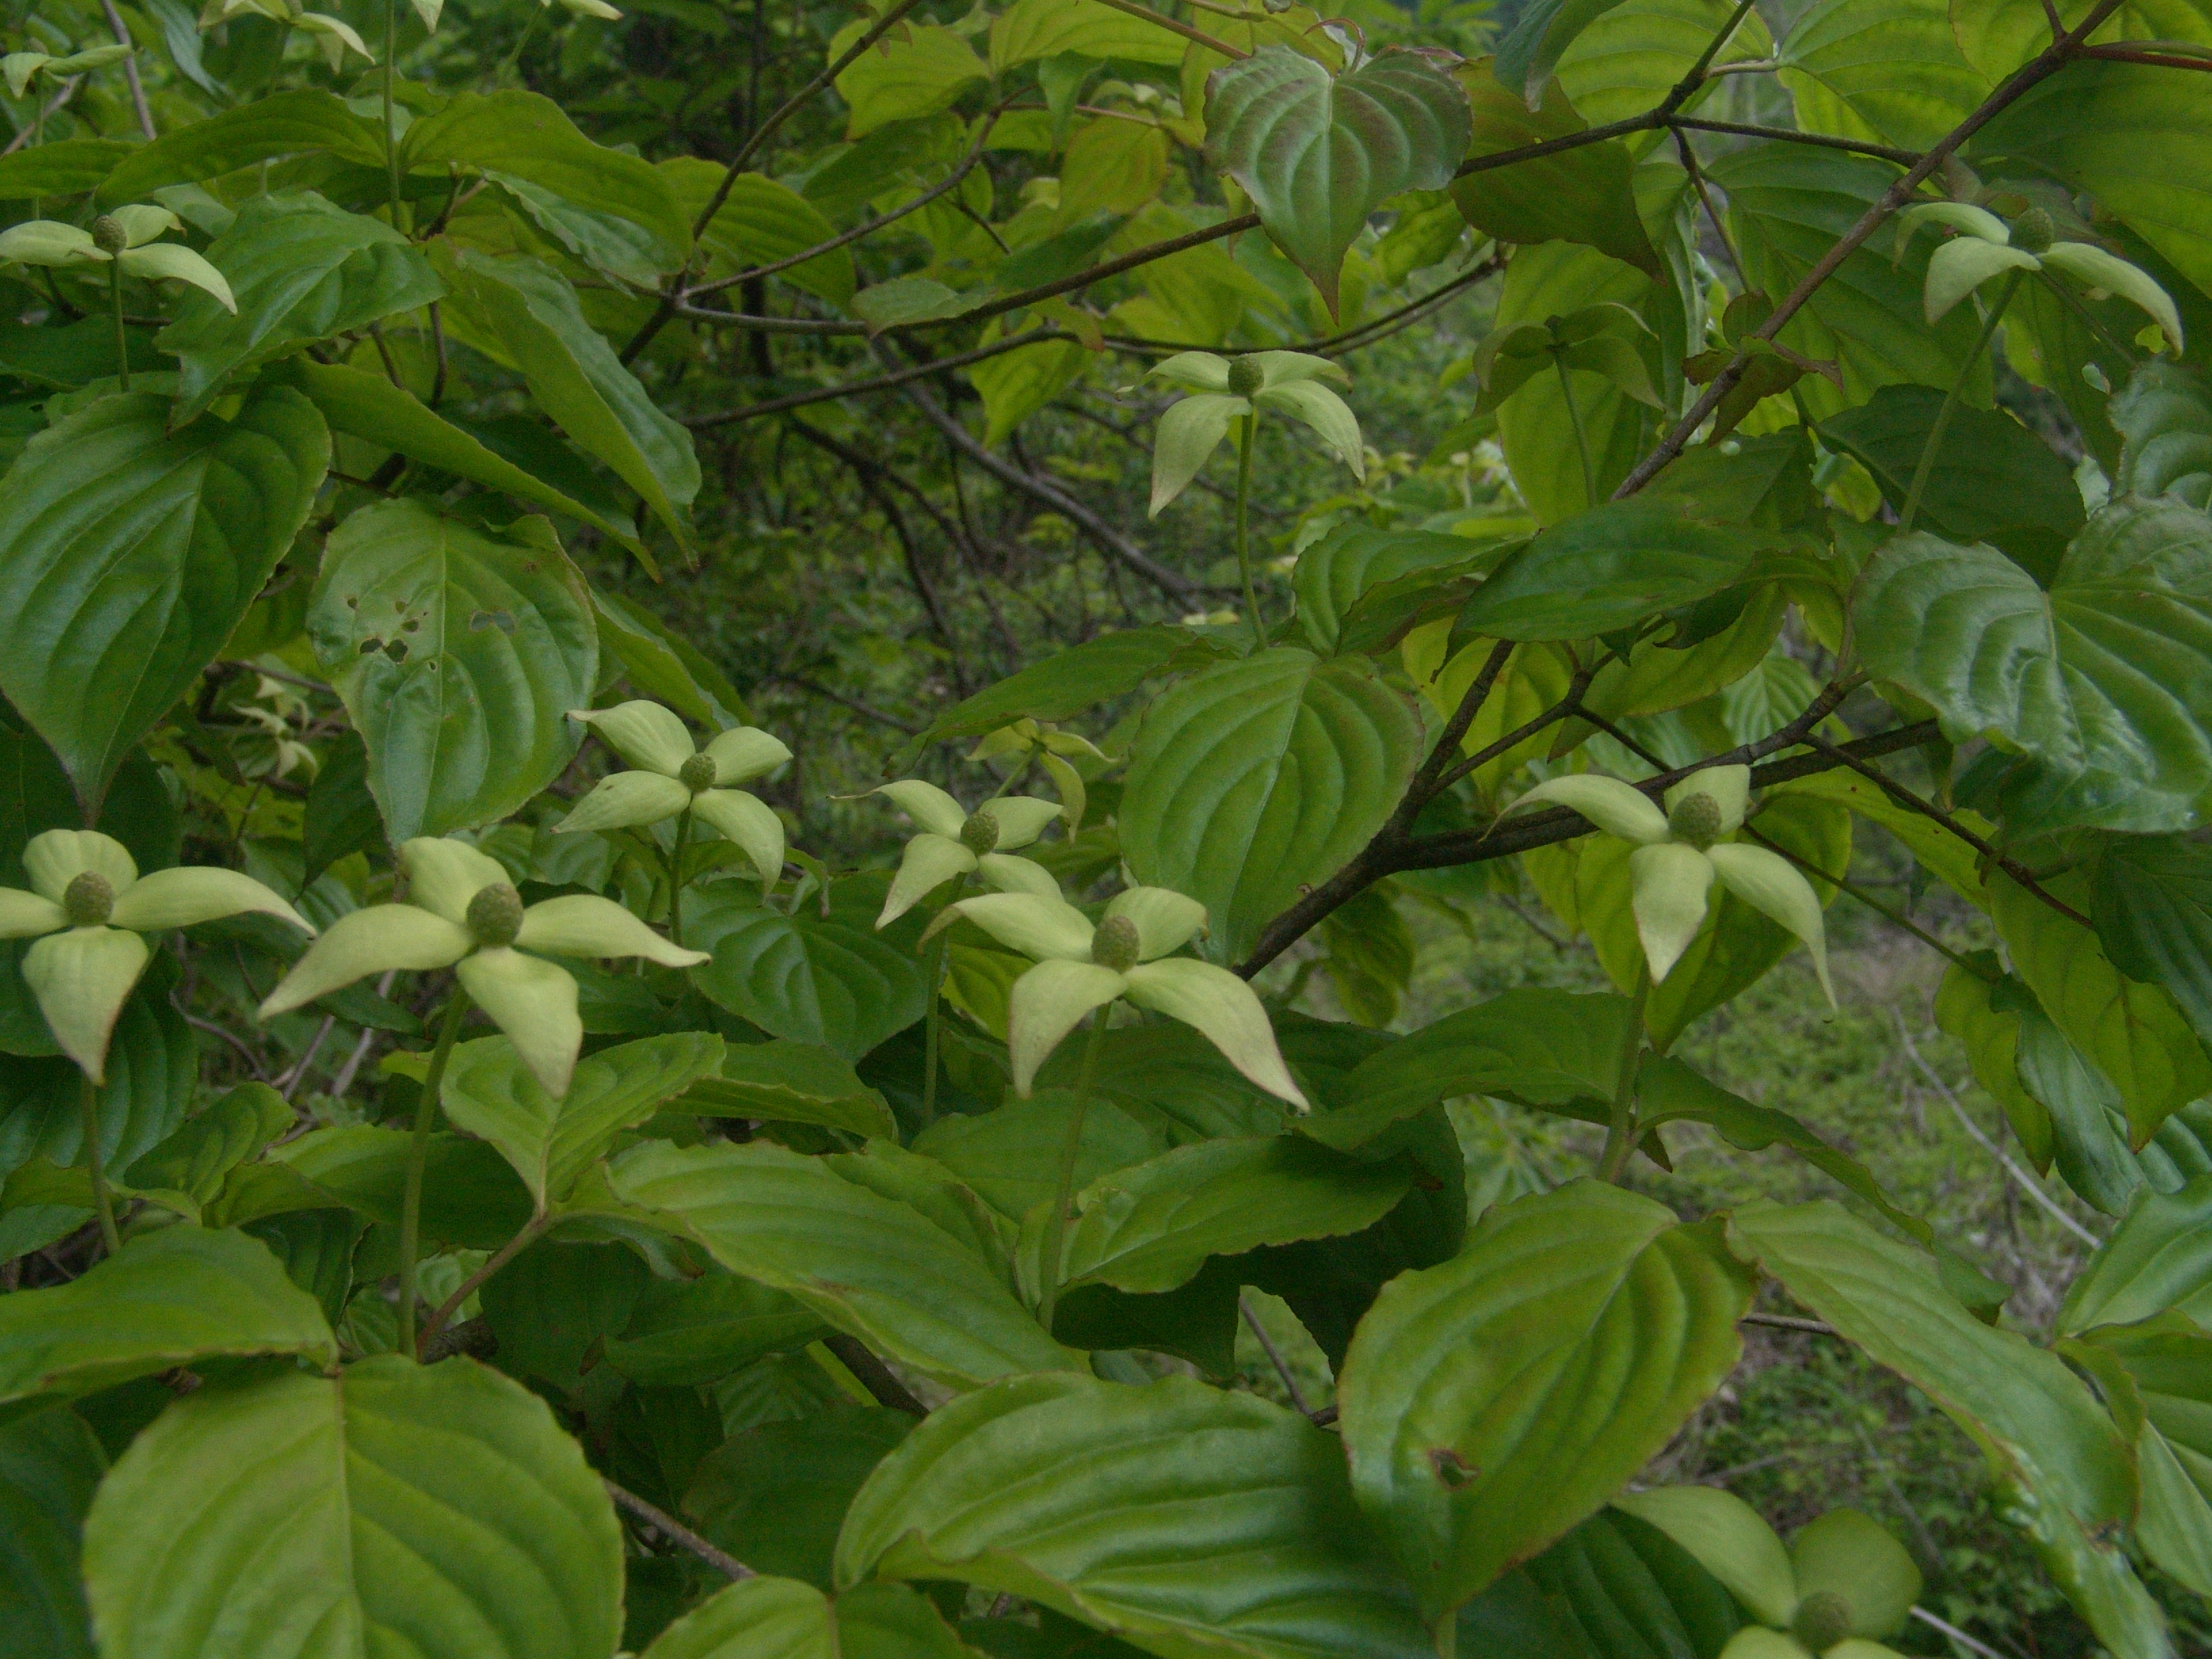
(686, 1332)
(2159, 1258)
(775, 1495)
(1151, 1227)
(459, 651)
(1259, 777)
(435, 1509)
(1317, 154)
(790, 1082)
(830, 980)
(665, 667)
(49, 1465)
(488, 1092)
(761, 221)
(2164, 414)
(1491, 1403)
(2065, 1468)
(1606, 569)
(2099, 677)
(1541, 37)
(904, 77)
(1353, 560)
(1009, 1157)
(768, 1618)
(300, 270)
(1582, 195)
(1029, 30)
(1082, 1495)
(128, 555)
(2160, 1373)
(1890, 71)
(303, 123)
(177, 1295)
(2152, 911)
(577, 379)
(67, 166)
(1966, 1008)
(1625, 59)
(869, 1265)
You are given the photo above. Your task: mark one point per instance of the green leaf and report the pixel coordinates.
(1890, 71)
(1318, 154)
(362, 404)
(2094, 678)
(2133, 1033)
(2064, 1474)
(873, 1266)
(139, 613)
(300, 270)
(49, 1464)
(340, 816)
(1029, 30)
(2166, 1366)
(829, 980)
(459, 651)
(67, 166)
(768, 1618)
(1491, 1403)
(1581, 195)
(175, 1296)
(1258, 778)
(1353, 560)
(207, 1145)
(2108, 130)
(1151, 1227)
(2159, 1258)
(1615, 1586)
(789, 1082)
(471, 1197)
(1541, 37)
(72, 356)
(524, 135)
(775, 1495)
(664, 667)
(916, 71)
(1965, 1009)
(2164, 416)
(1606, 569)
(1010, 1155)
(303, 123)
(1789, 204)
(554, 1306)
(1067, 682)
(529, 309)
(686, 1332)
(1015, 385)
(761, 222)
(1082, 1495)
(430, 1510)
(2152, 911)
(488, 1092)
(1993, 481)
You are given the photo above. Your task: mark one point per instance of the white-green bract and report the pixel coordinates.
(51, 243)
(463, 912)
(1986, 245)
(954, 842)
(670, 775)
(1287, 382)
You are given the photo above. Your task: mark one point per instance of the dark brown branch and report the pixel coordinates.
(1903, 158)
(879, 383)
(666, 1524)
(875, 1376)
(2122, 53)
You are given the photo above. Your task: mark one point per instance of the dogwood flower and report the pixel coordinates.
(333, 35)
(1841, 1583)
(671, 775)
(955, 842)
(124, 237)
(1052, 748)
(86, 908)
(1986, 245)
(1230, 389)
(462, 913)
(1679, 853)
(1080, 967)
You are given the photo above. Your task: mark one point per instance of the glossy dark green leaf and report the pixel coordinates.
(1258, 778)
(1894, 68)
(555, 1306)
(2047, 1440)
(489, 1093)
(1580, 195)
(1543, 1365)
(2159, 1258)
(789, 1082)
(873, 1266)
(300, 270)
(128, 552)
(1317, 154)
(1608, 568)
(663, 667)
(1338, 570)
(1541, 34)
(72, 354)
(533, 314)
(207, 1145)
(303, 123)
(832, 981)
(50, 1463)
(2088, 1125)
(471, 1197)
(1010, 1155)
(2166, 1365)
(768, 1618)
(1613, 1587)
(2164, 414)
(459, 651)
(1082, 1495)
(700, 1330)
(317, 1250)
(2154, 916)
(174, 1296)
(435, 1510)
(775, 1496)
(340, 817)
(67, 166)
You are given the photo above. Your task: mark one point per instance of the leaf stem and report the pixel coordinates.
(523, 1238)
(103, 1200)
(932, 1016)
(1920, 474)
(676, 878)
(1243, 527)
(122, 339)
(391, 120)
(1071, 1149)
(1582, 438)
(1621, 1131)
(418, 1157)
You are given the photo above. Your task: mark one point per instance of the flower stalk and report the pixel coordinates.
(418, 1159)
(103, 1200)
(1071, 1152)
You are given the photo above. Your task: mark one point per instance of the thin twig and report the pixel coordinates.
(1788, 1323)
(662, 1521)
(1275, 1355)
(813, 687)
(881, 382)
(877, 1378)
(130, 70)
(53, 108)
(1956, 1634)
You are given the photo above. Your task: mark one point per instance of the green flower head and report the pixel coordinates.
(1288, 382)
(1840, 1584)
(1080, 967)
(1680, 852)
(955, 842)
(670, 773)
(86, 908)
(124, 236)
(1984, 245)
(463, 912)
